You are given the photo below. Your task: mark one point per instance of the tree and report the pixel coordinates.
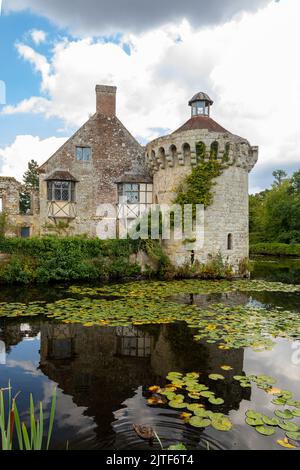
(280, 176)
(31, 183)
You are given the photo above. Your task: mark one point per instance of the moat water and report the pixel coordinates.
(103, 373)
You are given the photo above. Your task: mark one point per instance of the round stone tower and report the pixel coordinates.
(226, 220)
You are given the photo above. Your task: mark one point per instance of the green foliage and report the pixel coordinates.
(197, 186)
(3, 224)
(275, 213)
(31, 183)
(28, 438)
(50, 259)
(276, 249)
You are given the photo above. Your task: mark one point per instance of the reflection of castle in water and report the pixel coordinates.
(101, 367)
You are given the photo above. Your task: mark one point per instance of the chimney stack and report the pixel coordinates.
(106, 100)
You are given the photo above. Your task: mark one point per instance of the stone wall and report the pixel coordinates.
(171, 159)
(115, 154)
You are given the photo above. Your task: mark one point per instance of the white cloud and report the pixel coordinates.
(14, 158)
(248, 66)
(38, 36)
(94, 17)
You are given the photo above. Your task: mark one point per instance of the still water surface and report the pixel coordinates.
(103, 373)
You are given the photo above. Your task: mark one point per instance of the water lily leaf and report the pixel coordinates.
(273, 391)
(288, 426)
(185, 417)
(294, 403)
(265, 430)
(279, 401)
(293, 435)
(216, 401)
(296, 413)
(177, 404)
(285, 414)
(194, 395)
(177, 447)
(270, 421)
(216, 377)
(226, 368)
(154, 401)
(286, 443)
(195, 406)
(222, 424)
(198, 422)
(254, 422)
(202, 413)
(154, 388)
(206, 394)
(254, 414)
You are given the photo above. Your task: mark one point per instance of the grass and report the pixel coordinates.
(29, 437)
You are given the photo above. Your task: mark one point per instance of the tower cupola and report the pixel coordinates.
(200, 104)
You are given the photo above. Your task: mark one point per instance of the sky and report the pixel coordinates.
(159, 54)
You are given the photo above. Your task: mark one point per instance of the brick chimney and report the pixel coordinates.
(106, 100)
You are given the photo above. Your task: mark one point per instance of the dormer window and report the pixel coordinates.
(83, 154)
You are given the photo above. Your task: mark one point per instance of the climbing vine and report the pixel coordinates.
(197, 186)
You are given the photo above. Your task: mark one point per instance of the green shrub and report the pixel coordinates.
(50, 259)
(276, 249)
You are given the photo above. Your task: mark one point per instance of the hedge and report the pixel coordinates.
(276, 249)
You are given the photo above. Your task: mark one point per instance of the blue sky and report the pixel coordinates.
(158, 57)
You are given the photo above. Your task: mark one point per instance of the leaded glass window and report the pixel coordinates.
(61, 191)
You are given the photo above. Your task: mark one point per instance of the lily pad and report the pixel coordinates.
(216, 377)
(216, 401)
(296, 413)
(293, 435)
(288, 426)
(284, 414)
(194, 406)
(254, 422)
(270, 421)
(221, 424)
(207, 394)
(177, 404)
(265, 430)
(198, 422)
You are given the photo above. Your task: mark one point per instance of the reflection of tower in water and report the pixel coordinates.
(103, 367)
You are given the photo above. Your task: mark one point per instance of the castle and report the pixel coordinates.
(103, 163)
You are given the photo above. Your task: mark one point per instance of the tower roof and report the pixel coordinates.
(201, 122)
(201, 97)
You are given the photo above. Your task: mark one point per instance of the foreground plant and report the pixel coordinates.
(28, 437)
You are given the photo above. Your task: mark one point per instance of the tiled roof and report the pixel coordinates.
(201, 122)
(61, 176)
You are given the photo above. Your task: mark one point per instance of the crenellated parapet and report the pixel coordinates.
(192, 147)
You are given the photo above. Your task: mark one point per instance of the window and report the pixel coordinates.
(61, 191)
(25, 232)
(230, 242)
(136, 193)
(84, 154)
(1, 205)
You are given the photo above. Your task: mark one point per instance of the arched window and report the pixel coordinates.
(173, 153)
(186, 150)
(226, 153)
(200, 151)
(162, 157)
(214, 150)
(229, 242)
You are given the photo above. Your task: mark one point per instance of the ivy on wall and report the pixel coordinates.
(197, 186)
